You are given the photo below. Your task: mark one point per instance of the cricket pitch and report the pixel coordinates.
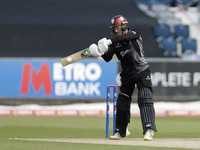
(185, 143)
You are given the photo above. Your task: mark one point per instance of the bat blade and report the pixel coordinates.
(75, 57)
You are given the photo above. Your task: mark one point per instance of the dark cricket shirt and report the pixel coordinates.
(129, 50)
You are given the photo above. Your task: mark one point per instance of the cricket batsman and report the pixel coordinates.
(127, 45)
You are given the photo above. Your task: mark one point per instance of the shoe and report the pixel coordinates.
(117, 136)
(127, 132)
(148, 135)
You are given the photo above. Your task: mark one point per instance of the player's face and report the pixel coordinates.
(118, 30)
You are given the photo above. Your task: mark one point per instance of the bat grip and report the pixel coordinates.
(85, 53)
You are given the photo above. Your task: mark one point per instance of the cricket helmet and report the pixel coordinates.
(118, 20)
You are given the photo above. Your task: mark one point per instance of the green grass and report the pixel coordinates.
(85, 127)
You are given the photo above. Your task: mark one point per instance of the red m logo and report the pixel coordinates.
(38, 79)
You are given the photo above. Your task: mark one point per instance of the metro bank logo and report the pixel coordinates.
(39, 79)
(49, 79)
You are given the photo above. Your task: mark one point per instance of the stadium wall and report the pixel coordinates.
(44, 80)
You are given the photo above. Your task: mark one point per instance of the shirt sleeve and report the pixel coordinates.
(131, 35)
(108, 54)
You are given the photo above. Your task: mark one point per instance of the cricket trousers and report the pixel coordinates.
(145, 102)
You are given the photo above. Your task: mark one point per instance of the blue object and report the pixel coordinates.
(181, 31)
(114, 108)
(162, 31)
(107, 111)
(108, 108)
(46, 78)
(189, 45)
(169, 47)
(165, 1)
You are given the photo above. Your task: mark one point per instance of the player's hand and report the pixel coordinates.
(95, 51)
(103, 44)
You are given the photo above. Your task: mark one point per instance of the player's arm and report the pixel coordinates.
(131, 35)
(93, 50)
(108, 55)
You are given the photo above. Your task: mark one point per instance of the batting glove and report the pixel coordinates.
(95, 51)
(103, 44)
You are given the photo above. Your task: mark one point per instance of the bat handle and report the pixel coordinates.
(85, 53)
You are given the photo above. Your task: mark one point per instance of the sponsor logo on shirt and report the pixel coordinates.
(133, 32)
(123, 53)
(148, 78)
(118, 45)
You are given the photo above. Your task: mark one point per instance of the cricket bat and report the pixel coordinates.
(75, 57)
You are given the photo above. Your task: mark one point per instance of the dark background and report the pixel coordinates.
(57, 28)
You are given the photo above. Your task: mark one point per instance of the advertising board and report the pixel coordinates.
(46, 78)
